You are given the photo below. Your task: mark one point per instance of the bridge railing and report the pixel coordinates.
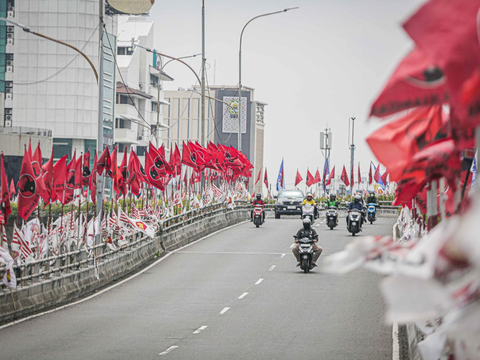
(63, 263)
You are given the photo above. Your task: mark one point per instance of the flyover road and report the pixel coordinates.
(234, 295)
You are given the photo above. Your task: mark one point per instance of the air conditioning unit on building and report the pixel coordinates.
(8, 123)
(9, 56)
(8, 90)
(9, 69)
(9, 41)
(10, 14)
(8, 117)
(9, 63)
(10, 29)
(8, 96)
(8, 111)
(9, 84)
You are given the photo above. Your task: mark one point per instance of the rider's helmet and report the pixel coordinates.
(371, 193)
(306, 223)
(309, 196)
(333, 197)
(259, 196)
(357, 198)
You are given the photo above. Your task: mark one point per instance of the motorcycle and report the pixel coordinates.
(257, 215)
(371, 212)
(308, 210)
(306, 252)
(332, 217)
(354, 221)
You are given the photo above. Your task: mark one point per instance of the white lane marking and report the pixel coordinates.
(200, 329)
(395, 345)
(171, 348)
(224, 310)
(228, 253)
(272, 267)
(291, 246)
(121, 282)
(259, 281)
(282, 256)
(318, 225)
(243, 295)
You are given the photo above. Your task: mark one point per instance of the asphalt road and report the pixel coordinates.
(234, 295)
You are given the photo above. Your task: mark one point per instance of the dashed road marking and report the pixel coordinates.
(224, 310)
(171, 348)
(259, 281)
(291, 246)
(282, 256)
(272, 267)
(200, 329)
(243, 295)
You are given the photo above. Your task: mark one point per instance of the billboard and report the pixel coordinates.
(230, 117)
(130, 7)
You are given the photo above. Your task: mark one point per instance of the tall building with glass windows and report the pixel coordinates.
(50, 86)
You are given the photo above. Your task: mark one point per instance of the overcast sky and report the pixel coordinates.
(317, 65)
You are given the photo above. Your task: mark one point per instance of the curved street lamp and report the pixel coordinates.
(240, 72)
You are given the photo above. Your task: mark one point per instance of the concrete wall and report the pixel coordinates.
(62, 289)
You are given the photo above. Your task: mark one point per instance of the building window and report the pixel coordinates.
(124, 99)
(62, 147)
(153, 80)
(124, 50)
(122, 123)
(141, 150)
(154, 106)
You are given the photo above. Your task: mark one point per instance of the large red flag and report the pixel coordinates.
(104, 161)
(114, 172)
(27, 189)
(59, 175)
(344, 176)
(86, 169)
(37, 171)
(377, 173)
(48, 176)
(124, 173)
(159, 161)
(384, 178)
(317, 177)
(398, 141)
(359, 175)
(258, 176)
(189, 157)
(69, 181)
(310, 179)
(447, 32)
(265, 179)
(12, 189)
(416, 81)
(92, 183)
(332, 176)
(153, 176)
(298, 178)
(5, 207)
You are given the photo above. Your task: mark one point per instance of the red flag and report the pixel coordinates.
(5, 207)
(265, 179)
(86, 169)
(104, 161)
(344, 176)
(69, 181)
(416, 81)
(59, 175)
(298, 178)
(384, 178)
(377, 173)
(159, 161)
(48, 177)
(447, 31)
(310, 179)
(27, 189)
(359, 175)
(258, 176)
(124, 174)
(317, 178)
(370, 177)
(79, 172)
(114, 172)
(133, 178)
(397, 142)
(332, 176)
(37, 171)
(153, 176)
(12, 189)
(92, 183)
(189, 157)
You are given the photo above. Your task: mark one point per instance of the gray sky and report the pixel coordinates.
(322, 63)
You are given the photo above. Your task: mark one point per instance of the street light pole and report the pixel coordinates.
(240, 73)
(352, 154)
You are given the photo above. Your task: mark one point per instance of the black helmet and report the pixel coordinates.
(333, 196)
(306, 223)
(259, 196)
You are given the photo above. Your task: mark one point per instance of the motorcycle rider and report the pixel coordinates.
(371, 199)
(310, 200)
(258, 202)
(307, 231)
(332, 202)
(357, 204)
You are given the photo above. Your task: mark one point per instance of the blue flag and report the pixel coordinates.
(474, 171)
(380, 181)
(326, 173)
(280, 178)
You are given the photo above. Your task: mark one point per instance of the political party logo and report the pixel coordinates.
(193, 157)
(70, 184)
(37, 169)
(94, 178)
(142, 170)
(141, 225)
(159, 163)
(431, 77)
(125, 174)
(27, 186)
(154, 173)
(86, 172)
(233, 108)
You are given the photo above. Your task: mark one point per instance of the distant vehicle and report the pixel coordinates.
(332, 217)
(371, 212)
(308, 210)
(354, 221)
(306, 254)
(257, 215)
(289, 202)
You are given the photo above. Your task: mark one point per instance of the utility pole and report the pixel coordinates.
(352, 154)
(326, 144)
(202, 131)
(100, 178)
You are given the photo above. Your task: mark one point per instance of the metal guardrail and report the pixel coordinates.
(42, 269)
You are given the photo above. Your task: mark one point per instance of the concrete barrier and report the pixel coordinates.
(59, 290)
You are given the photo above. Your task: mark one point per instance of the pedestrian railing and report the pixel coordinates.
(61, 264)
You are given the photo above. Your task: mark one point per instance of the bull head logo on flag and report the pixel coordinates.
(154, 173)
(27, 186)
(37, 171)
(70, 184)
(159, 163)
(125, 174)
